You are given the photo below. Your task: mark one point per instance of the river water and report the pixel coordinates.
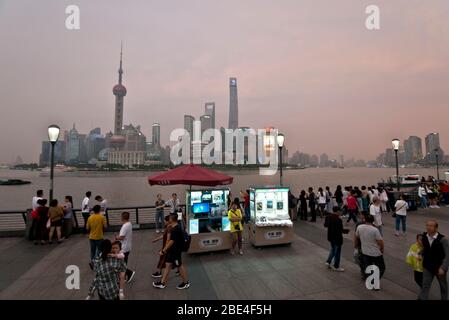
(123, 189)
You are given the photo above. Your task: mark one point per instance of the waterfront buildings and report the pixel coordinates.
(209, 110)
(233, 104)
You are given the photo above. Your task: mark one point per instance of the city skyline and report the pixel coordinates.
(290, 77)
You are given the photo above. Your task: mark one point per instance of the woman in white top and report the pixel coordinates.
(321, 201)
(376, 211)
(383, 196)
(401, 207)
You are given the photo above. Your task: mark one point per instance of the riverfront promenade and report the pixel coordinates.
(285, 272)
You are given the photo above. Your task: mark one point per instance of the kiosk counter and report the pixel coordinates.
(207, 220)
(270, 222)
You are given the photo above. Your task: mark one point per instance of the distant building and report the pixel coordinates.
(206, 123)
(126, 158)
(233, 104)
(324, 160)
(156, 138)
(304, 159)
(432, 142)
(44, 158)
(119, 92)
(209, 109)
(314, 161)
(188, 124)
(413, 150)
(72, 146)
(95, 142)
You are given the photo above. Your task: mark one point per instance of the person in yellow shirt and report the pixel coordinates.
(235, 216)
(96, 225)
(415, 259)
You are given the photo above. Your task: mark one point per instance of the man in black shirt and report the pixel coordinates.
(335, 232)
(173, 250)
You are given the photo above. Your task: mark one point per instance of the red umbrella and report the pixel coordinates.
(191, 174)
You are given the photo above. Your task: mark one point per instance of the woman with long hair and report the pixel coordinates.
(67, 225)
(339, 197)
(303, 205)
(321, 202)
(55, 214)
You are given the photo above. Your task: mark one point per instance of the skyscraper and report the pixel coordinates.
(188, 124)
(72, 144)
(209, 109)
(206, 123)
(119, 92)
(156, 139)
(432, 142)
(324, 160)
(233, 104)
(413, 149)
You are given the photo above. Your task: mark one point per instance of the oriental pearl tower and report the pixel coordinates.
(119, 92)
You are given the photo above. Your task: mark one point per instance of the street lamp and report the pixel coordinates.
(280, 141)
(396, 143)
(53, 135)
(438, 163)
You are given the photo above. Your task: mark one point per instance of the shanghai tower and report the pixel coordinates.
(233, 104)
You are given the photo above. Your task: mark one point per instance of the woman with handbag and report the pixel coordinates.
(235, 216)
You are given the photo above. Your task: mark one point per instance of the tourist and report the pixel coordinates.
(303, 205)
(109, 273)
(383, 197)
(444, 188)
(401, 208)
(358, 197)
(39, 195)
(292, 206)
(433, 197)
(159, 204)
(375, 191)
(312, 204)
(40, 225)
(126, 236)
(352, 207)
(372, 245)
(163, 237)
(67, 224)
(173, 203)
(370, 195)
(229, 200)
(415, 259)
(365, 200)
(235, 216)
(329, 201)
(335, 232)
(96, 225)
(173, 251)
(245, 197)
(339, 197)
(422, 193)
(85, 209)
(55, 214)
(103, 204)
(376, 212)
(321, 202)
(435, 260)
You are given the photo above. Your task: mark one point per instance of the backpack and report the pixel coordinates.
(186, 242)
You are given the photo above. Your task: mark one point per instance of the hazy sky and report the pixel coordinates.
(310, 68)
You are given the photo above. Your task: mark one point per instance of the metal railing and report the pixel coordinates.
(16, 222)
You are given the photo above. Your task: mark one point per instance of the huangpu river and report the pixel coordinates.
(123, 189)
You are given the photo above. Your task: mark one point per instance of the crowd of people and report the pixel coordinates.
(364, 207)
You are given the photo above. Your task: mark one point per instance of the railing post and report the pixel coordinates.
(137, 215)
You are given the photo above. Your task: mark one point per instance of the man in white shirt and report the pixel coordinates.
(422, 193)
(401, 208)
(376, 212)
(103, 204)
(368, 237)
(126, 237)
(85, 209)
(39, 196)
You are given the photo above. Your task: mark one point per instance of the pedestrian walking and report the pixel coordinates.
(422, 194)
(67, 224)
(173, 251)
(352, 207)
(415, 259)
(96, 225)
(401, 208)
(321, 202)
(312, 204)
(159, 204)
(372, 246)
(376, 212)
(335, 232)
(55, 215)
(85, 209)
(125, 236)
(329, 201)
(435, 260)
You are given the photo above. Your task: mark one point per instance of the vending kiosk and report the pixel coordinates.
(207, 220)
(270, 222)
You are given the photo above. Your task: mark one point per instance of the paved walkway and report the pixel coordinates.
(285, 272)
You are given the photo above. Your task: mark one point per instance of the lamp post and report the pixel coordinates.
(438, 162)
(280, 141)
(53, 135)
(396, 143)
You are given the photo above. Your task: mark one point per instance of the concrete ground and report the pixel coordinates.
(283, 272)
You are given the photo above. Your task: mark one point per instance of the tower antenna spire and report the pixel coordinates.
(120, 70)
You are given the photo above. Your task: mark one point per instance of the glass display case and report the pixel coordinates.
(207, 211)
(269, 206)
